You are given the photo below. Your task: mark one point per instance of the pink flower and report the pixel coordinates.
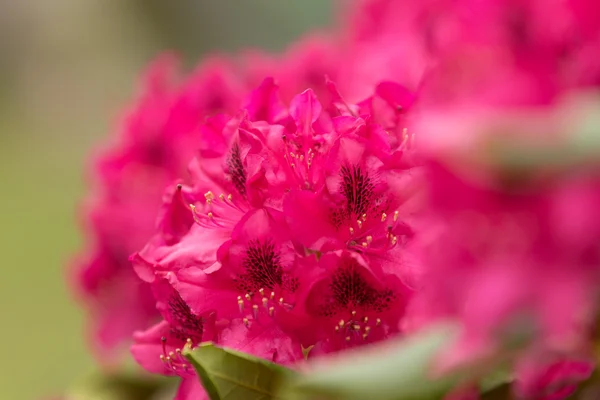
(270, 188)
(542, 48)
(159, 348)
(508, 251)
(347, 300)
(554, 381)
(382, 44)
(153, 148)
(304, 65)
(252, 288)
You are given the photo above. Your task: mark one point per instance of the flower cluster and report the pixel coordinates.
(298, 213)
(288, 235)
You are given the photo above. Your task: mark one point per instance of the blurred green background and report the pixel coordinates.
(66, 69)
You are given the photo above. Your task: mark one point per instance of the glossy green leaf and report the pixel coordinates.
(230, 375)
(400, 370)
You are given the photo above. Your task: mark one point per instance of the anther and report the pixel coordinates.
(396, 214)
(369, 239)
(341, 323)
(351, 230)
(271, 311)
(210, 215)
(383, 217)
(240, 303)
(365, 335)
(246, 322)
(364, 217)
(209, 196)
(394, 240)
(248, 297)
(162, 357)
(365, 244)
(367, 329)
(222, 197)
(348, 338)
(255, 311)
(265, 301)
(229, 197)
(262, 292)
(359, 223)
(377, 322)
(353, 313)
(188, 341)
(272, 295)
(178, 351)
(366, 319)
(281, 300)
(337, 329)
(356, 327)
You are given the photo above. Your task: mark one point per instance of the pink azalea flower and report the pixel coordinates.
(152, 150)
(555, 381)
(272, 187)
(382, 44)
(159, 348)
(348, 300)
(512, 254)
(540, 47)
(253, 287)
(304, 65)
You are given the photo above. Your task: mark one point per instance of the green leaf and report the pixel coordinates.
(230, 375)
(119, 386)
(400, 370)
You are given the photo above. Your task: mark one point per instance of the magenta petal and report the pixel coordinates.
(207, 292)
(264, 103)
(190, 388)
(147, 347)
(262, 340)
(395, 94)
(308, 219)
(305, 109)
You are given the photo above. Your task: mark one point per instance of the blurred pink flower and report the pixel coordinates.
(554, 381)
(511, 252)
(303, 65)
(151, 150)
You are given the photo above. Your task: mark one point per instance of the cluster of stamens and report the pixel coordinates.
(356, 328)
(363, 237)
(299, 163)
(267, 302)
(217, 211)
(174, 360)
